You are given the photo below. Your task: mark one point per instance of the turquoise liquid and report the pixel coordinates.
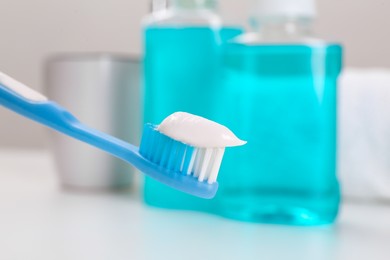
(282, 100)
(182, 69)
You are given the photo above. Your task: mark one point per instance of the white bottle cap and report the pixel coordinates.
(286, 8)
(194, 3)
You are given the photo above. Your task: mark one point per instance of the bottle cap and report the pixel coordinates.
(286, 8)
(194, 3)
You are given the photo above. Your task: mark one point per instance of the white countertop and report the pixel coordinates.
(40, 221)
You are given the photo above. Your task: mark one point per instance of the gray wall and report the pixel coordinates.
(35, 28)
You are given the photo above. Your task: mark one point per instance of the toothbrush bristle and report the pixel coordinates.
(201, 163)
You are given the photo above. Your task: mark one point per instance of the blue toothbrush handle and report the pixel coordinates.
(36, 107)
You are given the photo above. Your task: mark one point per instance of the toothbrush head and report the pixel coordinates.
(197, 168)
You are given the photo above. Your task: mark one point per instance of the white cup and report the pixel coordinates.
(102, 91)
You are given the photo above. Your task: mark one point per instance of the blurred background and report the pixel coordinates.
(31, 30)
(39, 220)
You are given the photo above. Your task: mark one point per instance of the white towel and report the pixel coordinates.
(364, 134)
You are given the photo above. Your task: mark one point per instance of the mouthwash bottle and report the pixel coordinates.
(280, 94)
(182, 65)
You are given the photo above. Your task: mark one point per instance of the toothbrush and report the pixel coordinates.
(183, 167)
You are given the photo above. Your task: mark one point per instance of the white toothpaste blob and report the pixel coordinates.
(198, 131)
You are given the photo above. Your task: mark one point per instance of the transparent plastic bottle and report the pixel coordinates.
(181, 70)
(280, 95)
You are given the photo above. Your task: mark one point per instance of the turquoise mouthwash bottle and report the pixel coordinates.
(181, 66)
(280, 94)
